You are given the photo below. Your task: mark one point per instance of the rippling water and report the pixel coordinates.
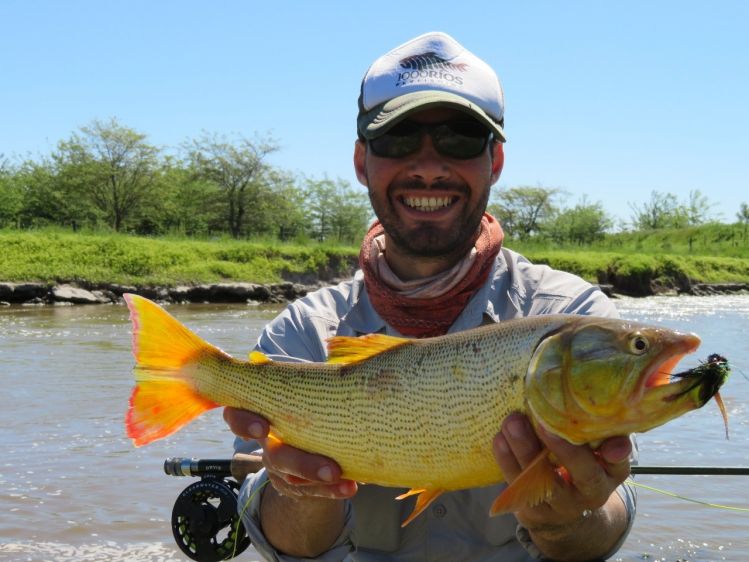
(73, 488)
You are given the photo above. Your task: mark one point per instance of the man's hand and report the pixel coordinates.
(292, 472)
(594, 476)
(302, 513)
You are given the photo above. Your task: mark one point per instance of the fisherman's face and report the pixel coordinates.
(429, 204)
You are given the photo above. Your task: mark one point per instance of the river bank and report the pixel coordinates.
(68, 294)
(51, 267)
(39, 294)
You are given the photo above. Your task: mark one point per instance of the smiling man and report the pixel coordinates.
(429, 148)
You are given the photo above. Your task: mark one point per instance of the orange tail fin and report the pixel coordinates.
(164, 398)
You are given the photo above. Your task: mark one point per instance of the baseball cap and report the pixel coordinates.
(431, 70)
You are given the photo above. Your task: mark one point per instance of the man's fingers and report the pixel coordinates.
(246, 425)
(616, 450)
(506, 460)
(591, 475)
(340, 490)
(306, 468)
(522, 440)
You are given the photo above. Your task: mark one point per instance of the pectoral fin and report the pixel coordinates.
(425, 497)
(532, 486)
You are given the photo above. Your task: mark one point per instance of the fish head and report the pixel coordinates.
(593, 378)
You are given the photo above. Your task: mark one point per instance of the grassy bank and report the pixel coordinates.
(57, 257)
(52, 256)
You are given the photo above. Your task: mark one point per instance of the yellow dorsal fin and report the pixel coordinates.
(425, 497)
(348, 350)
(258, 358)
(532, 486)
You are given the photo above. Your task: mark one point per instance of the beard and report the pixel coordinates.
(424, 238)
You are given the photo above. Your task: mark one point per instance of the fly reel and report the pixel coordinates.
(205, 522)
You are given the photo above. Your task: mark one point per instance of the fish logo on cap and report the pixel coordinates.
(430, 60)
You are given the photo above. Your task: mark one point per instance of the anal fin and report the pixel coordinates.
(533, 486)
(425, 497)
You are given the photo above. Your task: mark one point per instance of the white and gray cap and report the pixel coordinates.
(429, 71)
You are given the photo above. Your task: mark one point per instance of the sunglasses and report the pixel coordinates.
(462, 139)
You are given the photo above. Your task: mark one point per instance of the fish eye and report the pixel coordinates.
(638, 344)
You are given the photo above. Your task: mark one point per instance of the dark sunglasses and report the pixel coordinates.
(461, 139)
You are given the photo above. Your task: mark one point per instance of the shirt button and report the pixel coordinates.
(439, 510)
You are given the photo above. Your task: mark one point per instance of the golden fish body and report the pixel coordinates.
(420, 414)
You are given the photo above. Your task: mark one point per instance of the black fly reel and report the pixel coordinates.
(205, 522)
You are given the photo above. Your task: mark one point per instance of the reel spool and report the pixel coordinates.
(205, 522)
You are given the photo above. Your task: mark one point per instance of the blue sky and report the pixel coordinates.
(609, 100)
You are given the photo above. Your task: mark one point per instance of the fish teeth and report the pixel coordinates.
(427, 204)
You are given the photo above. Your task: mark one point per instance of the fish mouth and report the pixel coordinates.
(660, 372)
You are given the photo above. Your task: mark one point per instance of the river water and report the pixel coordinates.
(73, 488)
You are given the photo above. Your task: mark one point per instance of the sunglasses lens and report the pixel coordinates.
(455, 139)
(401, 140)
(460, 139)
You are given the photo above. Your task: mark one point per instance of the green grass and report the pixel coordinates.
(57, 256)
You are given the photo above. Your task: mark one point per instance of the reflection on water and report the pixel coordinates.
(72, 487)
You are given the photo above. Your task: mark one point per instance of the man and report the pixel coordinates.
(430, 140)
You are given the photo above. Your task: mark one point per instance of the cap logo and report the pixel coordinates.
(429, 67)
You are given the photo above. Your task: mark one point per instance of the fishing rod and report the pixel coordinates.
(692, 470)
(207, 509)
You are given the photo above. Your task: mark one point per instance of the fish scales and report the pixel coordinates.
(425, 429)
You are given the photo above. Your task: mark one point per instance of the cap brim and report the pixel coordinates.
(379, 119)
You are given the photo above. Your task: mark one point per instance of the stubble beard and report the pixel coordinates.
(425, 240)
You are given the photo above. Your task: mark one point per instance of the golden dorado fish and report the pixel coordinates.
(384, 407)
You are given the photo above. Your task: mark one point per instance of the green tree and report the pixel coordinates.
(239, 169)
(11, 196)
(522, 210)
(336, 210)
(664, 210)
(583, 224)
(110, 165)
(743, 216)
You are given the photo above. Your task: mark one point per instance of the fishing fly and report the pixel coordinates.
(710, 375)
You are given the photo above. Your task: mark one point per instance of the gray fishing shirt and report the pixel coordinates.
(456, 526)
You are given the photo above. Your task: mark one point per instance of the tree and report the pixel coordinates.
(237, 168)
(743, 216)
(523, 209)
(336, 211)
(665, 211)
(110, 165)
(11, 196)
(698, 208)
(660, 212)
(585, 223)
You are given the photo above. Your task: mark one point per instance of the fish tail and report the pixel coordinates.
(166, 352)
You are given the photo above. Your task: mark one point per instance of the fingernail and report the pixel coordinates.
(256, 430)
(501, 444)
(325, 474)
(516, 428)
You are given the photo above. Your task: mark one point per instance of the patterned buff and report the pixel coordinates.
(427, 307)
